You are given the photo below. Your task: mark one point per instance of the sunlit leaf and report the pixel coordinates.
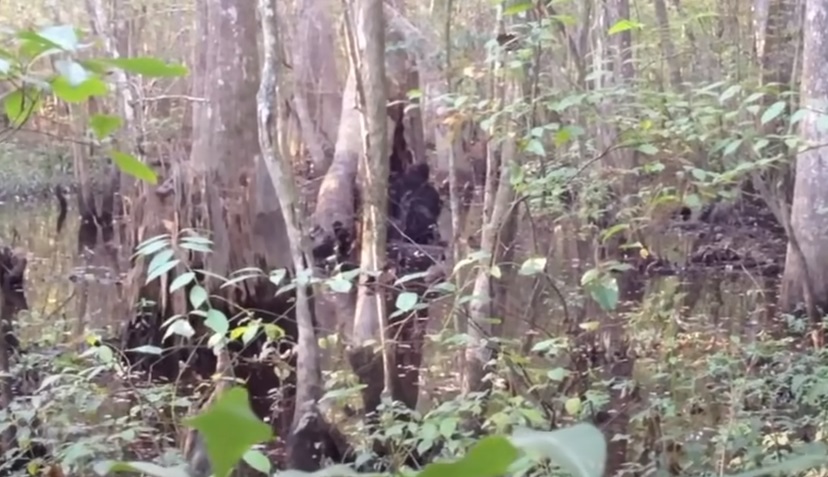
(229, 428)
(258, 461)
(624, 25)
(406, 301)
(580, 449)
(573, 406)
(104, 124)
(5, 66)
(158, 260)
(535, 147)
(181, 281)
(605, 292)
(647, 149)
(491, 456)
(62, 36)
(79, 93)
(729, 93)
(72, 71)
(532, 266)
(180, 327)
(132, 166)
(148, 66)
(217, 321)
(198, 296)
(147, 349)
(21, 104)
(773, 112)
(339, 284)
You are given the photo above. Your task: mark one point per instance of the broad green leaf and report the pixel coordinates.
(258, 461)
(62, 36)
(104, 124)
(406, 301)
(146, 468)
(535, 147)
(180, 327)
(339, 284)
(147, 66)
(20, 104)
(198, 296)
(160, 259)
(80, 93)
(729, 93)
(491, 456)
(250, 332)
(532, 266)
(773, 112)
(72, 71)
(624, 25)
(647, 149)
(519, 7)
(5, 66)
(182, 281)
(580, 449)
(798, 116)
(605, 292)
(132, 166)
(230, 429)
(590, 276)
(217, 321)
(147, 349)
(732, 147)
(163, 269)
(573, 406)
(557, 374)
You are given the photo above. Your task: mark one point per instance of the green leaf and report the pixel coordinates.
(74, 72)
(61, 36)
(5, 66)
(160, 264)
(490, 457)
(277, 276)
(729, 93)
(230, 429)
(20, 104)
(79, 93)
(519, 7)
(147, 349)
(258, 461)
(198, 296)
(532, 266)
(340, 284)
(580, 449)
(148, 66)
(132, 166)
(104, 124)
(732, 147)
(146, 468)
(535, 147)
(217, 321)
(180, 327)
(605, 292)
(647, 149)
(182, 281)
(406, 301)
(624, 25)
(773, 112)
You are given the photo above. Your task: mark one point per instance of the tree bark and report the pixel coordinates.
(370, 316)
(809, 216)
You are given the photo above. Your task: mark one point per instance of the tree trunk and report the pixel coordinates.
(372, 371)
(809, 219)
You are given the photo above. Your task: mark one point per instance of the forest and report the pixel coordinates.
(485, 238)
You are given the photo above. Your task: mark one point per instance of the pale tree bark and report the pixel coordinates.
(369, 322)
(317, 95)
(668, 48)
(310, 437)
(809, 212)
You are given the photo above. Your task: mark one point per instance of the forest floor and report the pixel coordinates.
(744, 236)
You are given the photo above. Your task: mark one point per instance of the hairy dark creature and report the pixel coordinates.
(414, 207)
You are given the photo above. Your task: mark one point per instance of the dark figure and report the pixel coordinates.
(63, 207)
(414, 207)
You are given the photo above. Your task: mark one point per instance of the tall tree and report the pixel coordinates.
(809, 218)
